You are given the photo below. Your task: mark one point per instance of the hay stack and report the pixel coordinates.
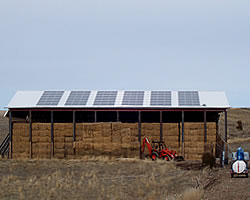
(20, 140)
(41, 140)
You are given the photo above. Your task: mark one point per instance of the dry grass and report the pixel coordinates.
(92, 179)
(193, 194)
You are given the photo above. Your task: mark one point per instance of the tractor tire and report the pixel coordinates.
(154, 156)
(168, 158)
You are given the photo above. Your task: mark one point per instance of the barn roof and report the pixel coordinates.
(119, 99)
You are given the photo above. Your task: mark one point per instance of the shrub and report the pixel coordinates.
(208, 160)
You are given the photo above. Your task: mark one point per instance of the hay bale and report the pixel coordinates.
(58, 139)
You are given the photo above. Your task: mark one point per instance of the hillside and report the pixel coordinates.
(4, 126)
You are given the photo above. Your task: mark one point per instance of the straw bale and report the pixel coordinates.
(58, 139)
(68, 139)
(171, 139)
(20, 139)
(170, 132)
(102, 140)
(87, 134)
(79, 138)
(21, 132)
(170, 126)
(191, 132)
(194, 144)
(211, 125)
(147, 126)
(41, 156)
(194, 138)
(45, 133)
(116, 126)
(61, 151)
(20, 126)
(35, 132)
(97, 126)
(211, 138)
(59, 145)
(59, 155)
(35, 126)
(59, 126)
(211, 132)
(20, 155)
(37, 146)
(126, 145)
(44, 126)
(194, 150)
(97, 134)
(125, 132)
(106, 132)
(68, 145)
(193, 157)
(69, 151)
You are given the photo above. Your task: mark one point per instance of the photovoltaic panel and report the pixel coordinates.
(50, 98)
(105, 98)
(161, 98)
(188, 98)
(133, 98)
(78, 98)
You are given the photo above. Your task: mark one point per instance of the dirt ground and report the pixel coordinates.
(105, 178)
(102, 178)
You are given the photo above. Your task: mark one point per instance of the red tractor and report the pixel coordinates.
(159, 150)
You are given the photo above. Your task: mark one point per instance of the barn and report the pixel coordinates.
(73, 124)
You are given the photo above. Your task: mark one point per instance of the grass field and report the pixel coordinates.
(107, 178)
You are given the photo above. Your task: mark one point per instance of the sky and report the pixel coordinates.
(132, 44)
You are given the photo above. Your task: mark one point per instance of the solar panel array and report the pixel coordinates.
(188, 98)
(105, 98)
(133, 98)
(108, 98)
(161, 98)
(78, 98)
(50, 98)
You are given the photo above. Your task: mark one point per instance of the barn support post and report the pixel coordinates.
(30, 132)
(161, 136)
(10, 132)
(52, 134)
(74, 131)
(117, 116)
(225, 143)
(139, 133)
(205, 126)
(182, 131)
(95, 116)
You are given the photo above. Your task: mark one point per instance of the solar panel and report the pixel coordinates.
(78, 98)
(188, 98)
(133, 98)
(50, 98)
(104, 98)
(160, 98)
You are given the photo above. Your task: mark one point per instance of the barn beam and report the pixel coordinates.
(139, 133)
(95, 116)
(161, 135)
(74, 131)
(10, 132)
(205, 126)
(225, 143)
(117, 116)
(182, 131)
(52, 133)
(30, 132)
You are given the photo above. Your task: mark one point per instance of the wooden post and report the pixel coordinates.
(205, 126)
(183, 146)
(30, 132)
(139, 134)
(10, 132)
(117, 116)
(52, 134)
(161, 136)
(95, 116)
(74, 131)
(225, 143)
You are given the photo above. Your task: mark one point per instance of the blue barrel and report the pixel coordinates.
(240, 154)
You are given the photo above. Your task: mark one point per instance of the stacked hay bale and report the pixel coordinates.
(151, 131)
(41, 140)
(84, 139)
(171, 136)
(20, 140)
(63, 140)
(129, 140)
(102, 138)
(194, 139)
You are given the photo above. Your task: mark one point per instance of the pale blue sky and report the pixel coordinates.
(132, 44)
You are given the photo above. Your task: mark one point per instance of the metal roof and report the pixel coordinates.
(207, 99)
